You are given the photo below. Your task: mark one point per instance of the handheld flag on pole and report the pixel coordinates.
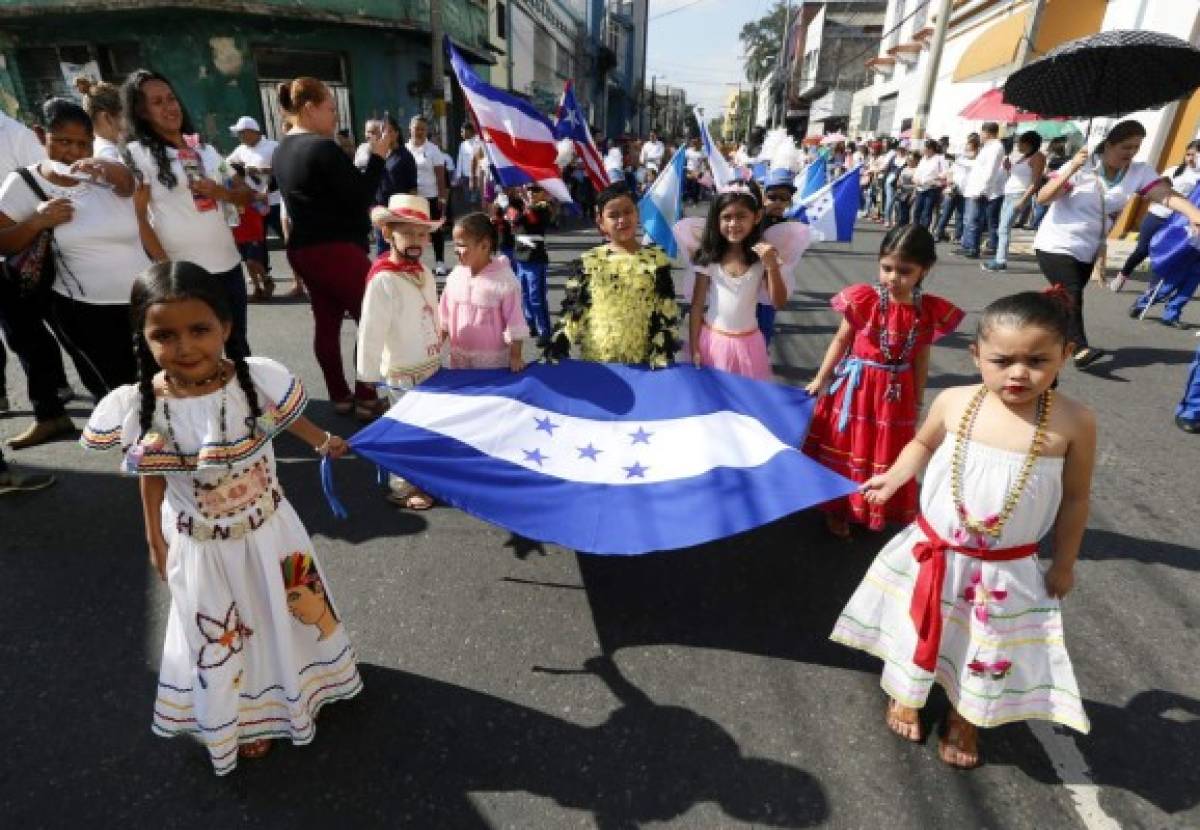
(554, 453)
(722, 173)
(662, 205)
(815, 177)
(832, 210)
(572, 125)
(519, 140)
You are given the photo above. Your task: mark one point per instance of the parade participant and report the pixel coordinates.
(653, 152)
(929, 178)
(328, 202)
(731, 265)
(1187, 414)
(959, 598)
(906, 189)
(250, 235)
(197, 428)
(399, 340)
(1025, 169)
(620, 304)
(433, 182)
(871, 382)
(1084, 196)
(96, 253)
(694, 163)
(480, 307)
(1183, 181)
(256, 153)
(529, 229)
(507, 207)
(466, 169)
(778, 194)
(614, 164)
(399, 172)
(953, 202)
(189, 189)
(102, 101)
(983, 192)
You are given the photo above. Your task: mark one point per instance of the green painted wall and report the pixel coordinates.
(209, 58)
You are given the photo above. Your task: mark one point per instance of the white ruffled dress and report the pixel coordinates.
(1003, 656)
(254, 645)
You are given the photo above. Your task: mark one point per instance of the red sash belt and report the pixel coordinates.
(926, 608)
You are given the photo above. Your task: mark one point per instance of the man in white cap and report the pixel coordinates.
(256, 152)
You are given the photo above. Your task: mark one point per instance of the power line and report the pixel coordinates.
(676, 9)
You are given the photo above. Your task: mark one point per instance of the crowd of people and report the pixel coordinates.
(130, 240)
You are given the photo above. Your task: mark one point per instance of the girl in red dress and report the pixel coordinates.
(872, 381)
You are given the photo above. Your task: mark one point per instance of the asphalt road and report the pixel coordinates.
(510, 684)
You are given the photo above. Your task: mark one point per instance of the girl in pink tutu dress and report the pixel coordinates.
(480, 309)
(731, 266)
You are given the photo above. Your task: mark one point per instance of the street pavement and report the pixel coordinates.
(514, 684)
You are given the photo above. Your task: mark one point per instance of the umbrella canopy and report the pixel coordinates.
(1056, 129)
(990, 106)
(1107, 74)
(833, 138)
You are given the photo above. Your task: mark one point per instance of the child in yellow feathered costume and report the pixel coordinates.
(620, 305)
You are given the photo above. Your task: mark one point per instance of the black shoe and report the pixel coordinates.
(1134, 312)
(1187, 424)
(1175, 324)
(1088, 355)
(544, 341)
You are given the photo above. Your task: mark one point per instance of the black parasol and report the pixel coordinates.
(1109, 73)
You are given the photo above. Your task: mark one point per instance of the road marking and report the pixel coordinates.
(1073, 770)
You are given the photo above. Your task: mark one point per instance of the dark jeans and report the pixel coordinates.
(24, 322)
(983, 214)
(438, 237)
(99, 339)
(234, 281)
(1073, 275)
(953, 206)
(1150, 226)
(766, 321)
(903, 209)
(927, 200)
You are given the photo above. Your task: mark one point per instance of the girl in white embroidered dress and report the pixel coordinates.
(244, 660)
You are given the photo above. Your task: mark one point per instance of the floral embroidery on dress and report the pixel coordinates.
(997, 670)
(225, 638)
(233, 494)
(979, 595)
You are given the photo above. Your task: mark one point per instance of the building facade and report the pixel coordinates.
(226, 57)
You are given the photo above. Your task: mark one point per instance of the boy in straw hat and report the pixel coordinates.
(398, 341)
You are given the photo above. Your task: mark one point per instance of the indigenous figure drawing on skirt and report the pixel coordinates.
(306, 596)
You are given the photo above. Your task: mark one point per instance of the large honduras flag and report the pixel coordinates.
(722, 173)
(662, 206)
(606, 458)
(832, 210)
(519, 140)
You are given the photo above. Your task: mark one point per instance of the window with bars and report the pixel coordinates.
(42, 73)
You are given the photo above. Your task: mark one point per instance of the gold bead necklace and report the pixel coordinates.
(992, 526)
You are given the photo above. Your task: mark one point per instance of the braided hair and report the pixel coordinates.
(139, 128)
(167, 282)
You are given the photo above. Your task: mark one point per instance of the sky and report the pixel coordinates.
(694, 44)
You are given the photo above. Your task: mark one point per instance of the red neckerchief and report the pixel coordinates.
(405, 266)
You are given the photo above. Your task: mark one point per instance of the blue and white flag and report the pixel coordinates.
(662, 205)
(606, 458)
(832, 211)
(722, 173)
(815, 178)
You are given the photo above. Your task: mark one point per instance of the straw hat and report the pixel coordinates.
(406, 209)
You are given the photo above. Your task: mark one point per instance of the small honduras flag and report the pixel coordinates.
(815, 177)
(662, 205)
(605, 458)
(722, 173)
(832, 210)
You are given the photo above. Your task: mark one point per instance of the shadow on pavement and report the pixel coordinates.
(1105, 544)
(1138, 357)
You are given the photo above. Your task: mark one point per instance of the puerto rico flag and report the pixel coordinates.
(519, 140)
(572, 124)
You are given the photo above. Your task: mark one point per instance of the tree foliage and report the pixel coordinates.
(762, 41)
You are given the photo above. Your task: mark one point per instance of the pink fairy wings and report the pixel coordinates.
(791, 239)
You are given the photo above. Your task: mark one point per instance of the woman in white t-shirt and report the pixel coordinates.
(1085, 196)
(432, 182)
(1025, 168)
(1183, 180)
(97, 254)
(190, 188)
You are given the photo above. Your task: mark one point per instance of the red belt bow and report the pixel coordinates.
(926, 608)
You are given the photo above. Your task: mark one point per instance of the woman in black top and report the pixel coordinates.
(328, 201)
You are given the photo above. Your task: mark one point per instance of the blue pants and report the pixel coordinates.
(1176, 296)
(1008, 215)
(952, 206)
(510, 255)
(982, 214)
(927, 200)
(889, 197)
(1189, 407)
(766, 321)
(532, 276)
(1150, 226)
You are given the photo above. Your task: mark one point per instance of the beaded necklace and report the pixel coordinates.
(985, 531)
(222, 378)
(885, 345)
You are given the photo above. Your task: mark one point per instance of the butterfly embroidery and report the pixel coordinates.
(225, 637)
(979, 595)
(998, 670)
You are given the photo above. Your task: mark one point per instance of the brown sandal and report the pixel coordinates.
(255, 749)
(837, 526)
(961, 737)
(898, 718)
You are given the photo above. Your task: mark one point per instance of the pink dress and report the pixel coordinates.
(730, 338)
(482, 314)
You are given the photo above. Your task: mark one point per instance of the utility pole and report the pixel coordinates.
(781, 64)
(439, 71)
(931, 69)
(508, 43)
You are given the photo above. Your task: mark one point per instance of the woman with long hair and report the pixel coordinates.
(189, 183)
(1025, 169)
